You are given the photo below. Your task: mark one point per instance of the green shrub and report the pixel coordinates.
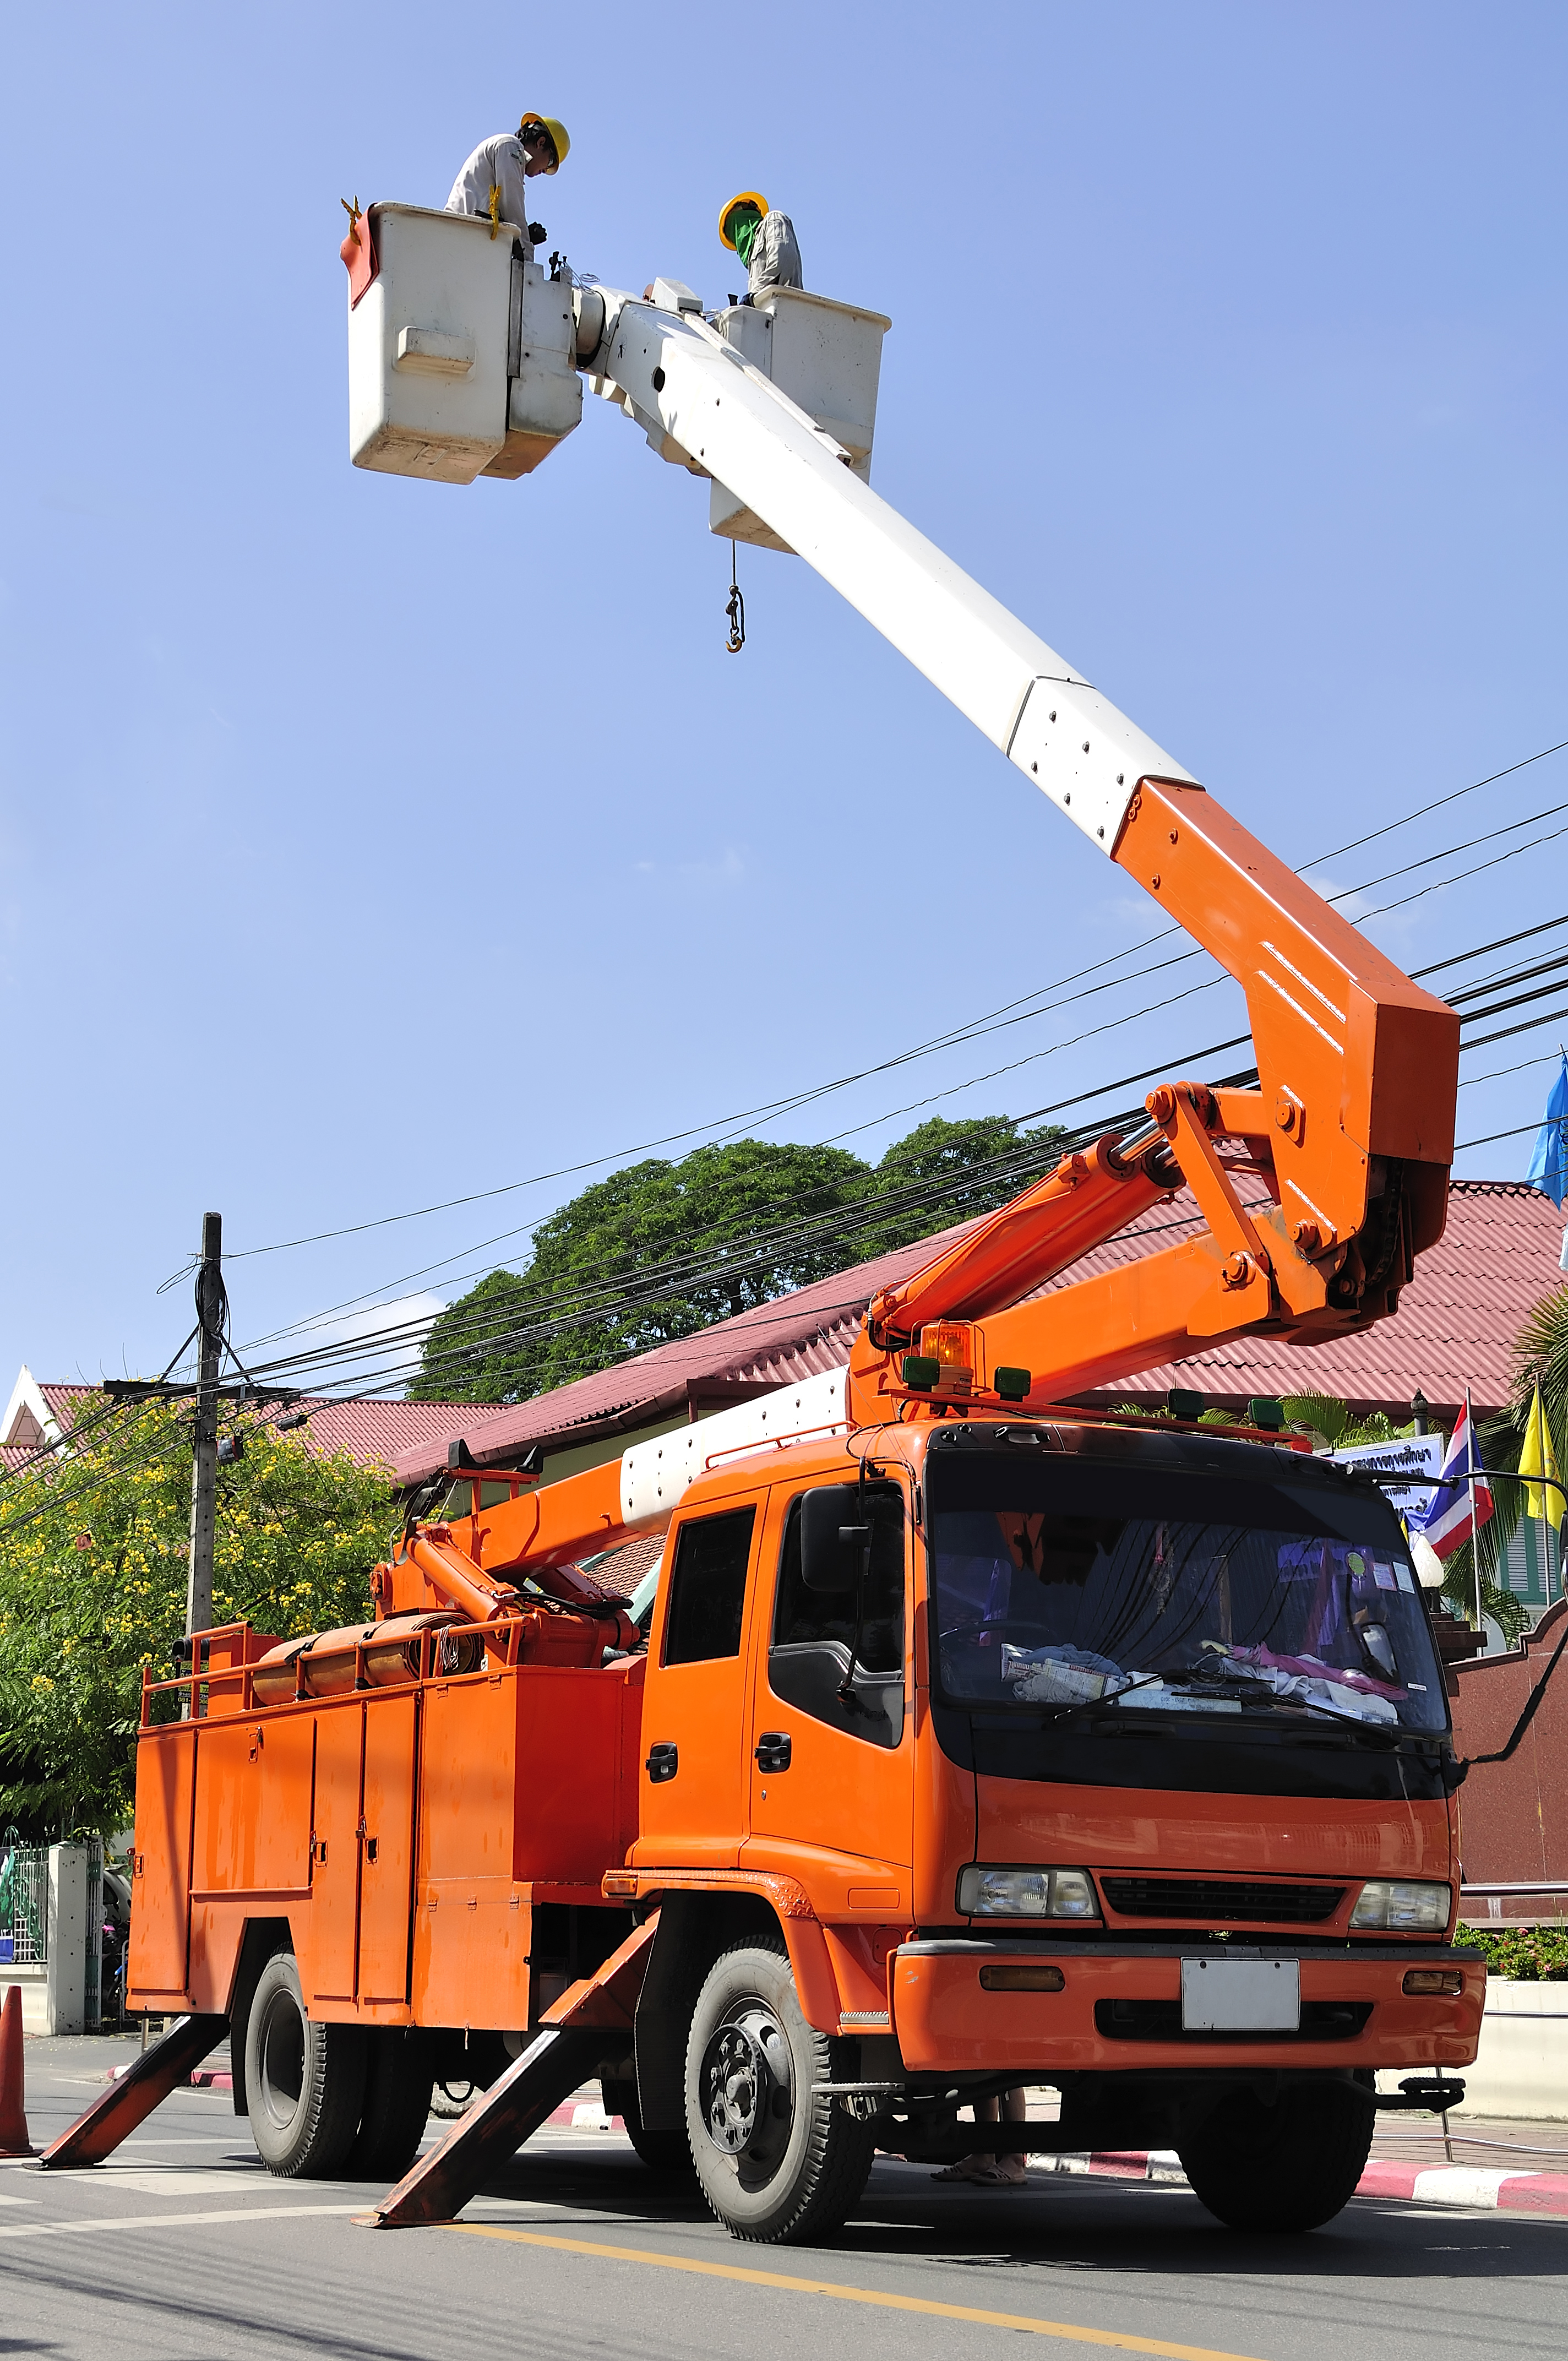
(1527, 1955)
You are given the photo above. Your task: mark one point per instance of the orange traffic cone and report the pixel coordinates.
(13, 2140)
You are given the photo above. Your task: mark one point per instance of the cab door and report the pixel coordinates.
(833, 1739)
(695, 1790)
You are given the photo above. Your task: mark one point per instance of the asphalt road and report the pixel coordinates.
(183, 2246)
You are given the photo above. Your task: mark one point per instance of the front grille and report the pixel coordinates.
(1161, 2020)
(1219, 1900)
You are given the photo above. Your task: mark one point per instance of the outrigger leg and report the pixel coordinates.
(513, 2108)
(132, 2096)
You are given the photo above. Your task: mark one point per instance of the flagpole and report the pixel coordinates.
(1474, 1528)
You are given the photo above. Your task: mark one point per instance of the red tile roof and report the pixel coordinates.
(371, 1432)
(1455, 1327)
(798, 1335)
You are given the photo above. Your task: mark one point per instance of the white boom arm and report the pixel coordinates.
(685, 382)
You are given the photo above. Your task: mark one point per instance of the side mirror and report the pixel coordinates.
(833, 1537)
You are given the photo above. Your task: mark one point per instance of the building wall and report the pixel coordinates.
(1513, 1817)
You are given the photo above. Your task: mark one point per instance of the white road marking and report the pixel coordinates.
(178, 2139)
(94, 2225)
(172, 2181)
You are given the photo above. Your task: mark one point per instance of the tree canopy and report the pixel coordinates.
(92, 1565)
(661, 1250)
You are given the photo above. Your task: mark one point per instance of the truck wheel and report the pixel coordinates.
(660, 2151)
(306, 2082)
(777, 2163)
(1288, 2167)
(398, 2086)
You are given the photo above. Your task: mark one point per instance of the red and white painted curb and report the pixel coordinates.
(1478, 2189)
(1469, 2185)
(586, 2117)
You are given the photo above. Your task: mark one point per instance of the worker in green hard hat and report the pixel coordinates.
(765, 240)
(495, 178)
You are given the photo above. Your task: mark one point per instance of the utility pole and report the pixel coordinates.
(212, 1304)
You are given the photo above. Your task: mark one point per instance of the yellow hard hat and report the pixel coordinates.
(746, 197)
(557, 131)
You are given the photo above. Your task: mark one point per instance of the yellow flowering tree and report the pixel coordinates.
(93, 1567)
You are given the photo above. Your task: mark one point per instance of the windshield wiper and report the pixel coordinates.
(1250, 1686)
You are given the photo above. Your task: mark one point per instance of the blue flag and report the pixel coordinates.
(1549, 1160)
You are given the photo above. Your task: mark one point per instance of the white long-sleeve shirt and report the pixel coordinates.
(496, 163)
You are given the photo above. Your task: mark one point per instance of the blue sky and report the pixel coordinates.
(364, 843)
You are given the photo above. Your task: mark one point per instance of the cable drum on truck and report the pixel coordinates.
(328, 1664)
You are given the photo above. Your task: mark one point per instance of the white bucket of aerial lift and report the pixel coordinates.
(427, 347)
(653, 1476)
(545, 393)
(828, 357)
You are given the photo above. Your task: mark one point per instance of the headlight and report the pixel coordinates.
(1027, 1893)
(1402, 1908)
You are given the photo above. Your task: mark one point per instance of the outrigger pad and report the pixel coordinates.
(493, 2129)
(132, 2096)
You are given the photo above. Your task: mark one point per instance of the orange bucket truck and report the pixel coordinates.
(968, 1740)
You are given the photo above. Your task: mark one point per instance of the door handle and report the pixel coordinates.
(663, 1761)
(772, 1750)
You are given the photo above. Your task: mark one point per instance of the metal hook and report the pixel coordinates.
(736, 611)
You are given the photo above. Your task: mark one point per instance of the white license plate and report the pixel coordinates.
(1241, 1995)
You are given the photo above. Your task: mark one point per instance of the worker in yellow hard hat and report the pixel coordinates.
(765, 240)
(494, 180)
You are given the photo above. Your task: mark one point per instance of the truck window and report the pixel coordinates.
(1158, 1593)
(708, 1589)
(813, 1634)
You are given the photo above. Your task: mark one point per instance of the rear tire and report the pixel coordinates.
(667, 2151)
(1289, 2166)
(777, 2163)
(304, 2083)
(398, 2086)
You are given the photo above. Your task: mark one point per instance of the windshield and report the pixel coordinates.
(1067, 1582)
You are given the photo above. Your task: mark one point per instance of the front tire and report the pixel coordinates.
(304, 2083)
(1289, 2166)
(778, 2163)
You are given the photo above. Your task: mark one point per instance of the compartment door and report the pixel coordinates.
(328, 1972)
(387, 1851)
(160, 1863)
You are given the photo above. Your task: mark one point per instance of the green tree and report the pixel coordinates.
(653, 1253)
(93, 1563)
(943, 1172)
(1540, 1358)
(662, 1250)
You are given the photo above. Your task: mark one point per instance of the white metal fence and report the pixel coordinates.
(24, 1904)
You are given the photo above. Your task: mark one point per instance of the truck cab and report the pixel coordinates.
(1098, 1756)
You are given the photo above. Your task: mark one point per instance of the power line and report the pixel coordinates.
(700, 1269)
(955, 1037)
(1357, 843)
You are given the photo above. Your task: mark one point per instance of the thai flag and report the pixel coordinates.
(1459, 1507)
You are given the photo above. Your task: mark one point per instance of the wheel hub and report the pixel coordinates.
(745, 2082)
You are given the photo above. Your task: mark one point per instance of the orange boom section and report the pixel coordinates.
(1349, 1129)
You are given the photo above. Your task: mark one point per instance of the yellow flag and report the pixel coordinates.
(1538, 1459)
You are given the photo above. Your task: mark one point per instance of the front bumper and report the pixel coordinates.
(1114, 2013)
